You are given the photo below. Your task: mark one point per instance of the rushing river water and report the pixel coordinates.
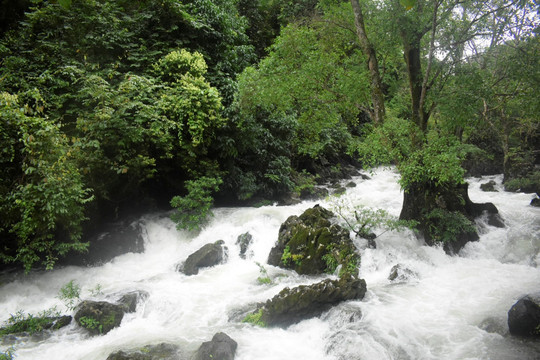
(448, 307)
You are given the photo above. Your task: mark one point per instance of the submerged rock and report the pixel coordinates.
(313, 193)
(401, 274)
(524, 316)
(99, 317)
(311, 244)
(150, 352)
(129, 301)
(208, 255)
(221, 347)
(306, 301)
(244, 241)
(489, 186)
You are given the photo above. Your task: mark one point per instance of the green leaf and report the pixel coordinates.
(66, 4)
(408, 4)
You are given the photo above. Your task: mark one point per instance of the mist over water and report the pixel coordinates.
(447, 308)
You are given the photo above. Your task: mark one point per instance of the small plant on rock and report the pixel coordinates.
(255, 319)
(70, 294)
(264, 278)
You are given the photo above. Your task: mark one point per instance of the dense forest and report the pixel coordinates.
(113, 107)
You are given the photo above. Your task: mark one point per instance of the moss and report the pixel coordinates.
(255, 318)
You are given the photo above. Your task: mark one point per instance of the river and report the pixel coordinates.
(448, 307)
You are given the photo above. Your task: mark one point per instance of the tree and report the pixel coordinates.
(433, 36)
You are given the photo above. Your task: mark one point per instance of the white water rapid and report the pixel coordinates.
(451, 307)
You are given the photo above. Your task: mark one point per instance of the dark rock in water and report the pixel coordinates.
(422, 199)
(26, 328)
(401, 274)
(60, 322)
(208, 255)
(535, 202)
(306, 301)
(116, 239)
(524, 316)
(314, 193)
(221, 347)
(489, 186)
(339, 190)
(99, 317)
(129, 301)
(311, 244)
(150, 352)
(244, 241)
(351, 184)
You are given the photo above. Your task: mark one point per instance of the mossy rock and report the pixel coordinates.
(150, 352)
(306, 301)
(310, 244)
(99, 317)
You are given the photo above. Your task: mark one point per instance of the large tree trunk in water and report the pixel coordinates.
(377, 96)
(421, 199)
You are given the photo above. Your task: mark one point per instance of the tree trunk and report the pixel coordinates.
(411, 52)
(377, 96)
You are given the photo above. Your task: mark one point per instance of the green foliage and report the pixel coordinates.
(21, 322)
(288, 258)
(307, 74)
(363, 221)
(195, 208)
(255, 318)
(9, 354)
(42, 195)
(108, 98)
(264, 278)
(91, 324)
(70, 294)
(444, 226)
(529, 183)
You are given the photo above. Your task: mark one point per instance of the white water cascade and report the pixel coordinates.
(451, 307)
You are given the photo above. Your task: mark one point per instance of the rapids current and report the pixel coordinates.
(450, 307)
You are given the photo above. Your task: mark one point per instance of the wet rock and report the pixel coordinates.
(351, 184)
(208, 255)
(38, 329)
(310, 244)
(129, 301)
(494, 325)
(244, 241)
(99, 317)
(306, 301)
(115, 239)
(535, 202)
(398, 273)
(524, 316)
(314, 193)
(150, 352)
(221, 347)
(489, 186)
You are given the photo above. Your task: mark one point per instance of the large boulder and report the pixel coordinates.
(524, 316)
(221, 347)
(99, 317)
(150, 352)
(208, 255)
(421, 200)
(306, 301)
(310, 244)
